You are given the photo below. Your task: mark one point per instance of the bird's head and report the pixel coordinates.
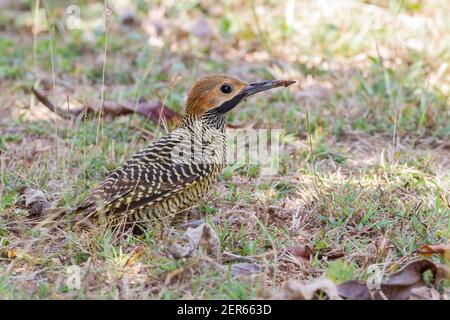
(222, 93)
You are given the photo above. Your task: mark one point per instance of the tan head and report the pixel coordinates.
(223, 93)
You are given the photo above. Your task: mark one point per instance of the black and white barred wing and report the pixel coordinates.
(134, 186)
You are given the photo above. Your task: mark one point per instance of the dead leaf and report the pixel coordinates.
(19, 253)
(35, 201)
(135, 254)
(154, 110)
(429, 249)
(304, 252)
(398, 286)
(296, 290)
(330, 254)
(113, 108)
(244, 269)
(202, 236)
(247, 125)
(11, 254)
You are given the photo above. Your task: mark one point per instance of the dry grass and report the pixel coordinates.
(372, 186)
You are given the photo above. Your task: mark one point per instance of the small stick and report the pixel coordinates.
(65, 114)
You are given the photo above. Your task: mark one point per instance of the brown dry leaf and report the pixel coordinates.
(135, 254)
(304, 252)
(154, 110)
(11, 254)
(244, 269)
(330, 254)
(113, 108)
(429, 249)
(397, 287)
(247, 125)
(202, 236)
(19, 253)
(35, 201)
(296, 290)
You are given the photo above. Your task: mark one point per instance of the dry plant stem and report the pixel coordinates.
(107, 15)
(50, 28)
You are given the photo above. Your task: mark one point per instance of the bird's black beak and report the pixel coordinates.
(256, 87)
(251, 89)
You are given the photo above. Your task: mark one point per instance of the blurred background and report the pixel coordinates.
(357, 62)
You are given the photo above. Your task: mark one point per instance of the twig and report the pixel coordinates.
(65, 114)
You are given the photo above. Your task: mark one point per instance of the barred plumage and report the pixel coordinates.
(177, 170)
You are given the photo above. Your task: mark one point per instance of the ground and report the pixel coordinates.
(364, 166)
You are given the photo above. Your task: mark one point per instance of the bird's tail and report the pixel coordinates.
(68, 218)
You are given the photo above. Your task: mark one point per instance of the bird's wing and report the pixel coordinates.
(134, 185)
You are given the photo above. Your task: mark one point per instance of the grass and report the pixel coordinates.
(365, 176)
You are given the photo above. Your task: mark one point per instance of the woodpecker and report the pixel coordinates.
(177, 170)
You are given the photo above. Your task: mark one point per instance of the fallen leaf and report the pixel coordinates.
(429, 249)
(247, 125)
(19, 253)
(154, 110)
(244, 269)
(35, 201)
(114, 108)
(331, 255)
(304, 252)
(296, 290)
(193, 238)
(11, 254)
(398, 286)
(135, 254)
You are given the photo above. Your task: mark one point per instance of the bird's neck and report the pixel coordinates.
(210, 120)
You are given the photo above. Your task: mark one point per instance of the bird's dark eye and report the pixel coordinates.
(226, 88)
